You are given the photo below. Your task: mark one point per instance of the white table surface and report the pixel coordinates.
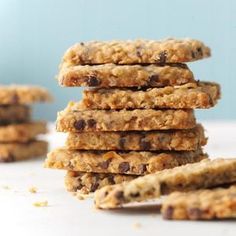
(65, 215)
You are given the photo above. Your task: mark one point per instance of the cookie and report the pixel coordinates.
(14, 114)
(189, 96)
(179, 140)
(19, 94)
(10, 152)
(132, 163)
(76, 119)
(204, 174)
(23, 132)
(135, 52)
(89, 182)
(219, 203)
(111, 75)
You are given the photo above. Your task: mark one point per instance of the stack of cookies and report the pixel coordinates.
(138, 118)
(17, 131)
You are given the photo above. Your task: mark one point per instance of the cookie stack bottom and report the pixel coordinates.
(17, 131)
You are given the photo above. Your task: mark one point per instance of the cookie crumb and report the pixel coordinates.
(81, 196)
(41, 204)
(137, 225)
(6, 187)
(33, 189)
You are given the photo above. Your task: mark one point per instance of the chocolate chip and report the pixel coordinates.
(143, 168)
(193, 54)
(144, 145)
(78, 187)
(153, 80)
(119, 195)
(79, 124)
(82, 43)
(168, 213)
(93, 81)
(111, 179)
(139, 52)
(94, 187)
(133, 118)
(104, 165)
(194, 213)
(162, 57)
(164, 189)
(124, 167)
(134, 195)
(199, 50)
(91, 123)
(122, 141)
(15, 99)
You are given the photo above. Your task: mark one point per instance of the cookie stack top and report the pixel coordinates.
(137, 116)
(17, 131)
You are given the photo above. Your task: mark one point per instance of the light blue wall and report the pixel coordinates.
(34, 35)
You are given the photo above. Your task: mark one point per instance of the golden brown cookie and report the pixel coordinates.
(14, 114)
(219, 203)
(85, 183)
(23, 94)
(136, 52)
(188, 96)
(23, 132)
(132, 163)
(10, 152)
(111, 75)
(204, 174)
(179, 140)
(77, 119)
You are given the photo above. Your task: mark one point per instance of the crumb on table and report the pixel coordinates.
(5, 187)
(41, 204)
(137, 225)
(33, 189)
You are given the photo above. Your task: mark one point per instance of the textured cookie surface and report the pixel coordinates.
(75, 119)
(23, 132)
(89, 182)
(204, 174)
(219, 203)
(14, 114)
(133, 163)
(136, 52)
(10, 152)
(111, 75)
(19, 94)
(189, 96)
(180, 140)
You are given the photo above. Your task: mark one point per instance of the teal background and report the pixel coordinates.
(34, 35)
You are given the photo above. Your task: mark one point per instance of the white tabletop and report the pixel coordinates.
(65, 215)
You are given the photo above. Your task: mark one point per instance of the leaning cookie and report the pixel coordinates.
(204, 174)
(136, 52)
(219, 203)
